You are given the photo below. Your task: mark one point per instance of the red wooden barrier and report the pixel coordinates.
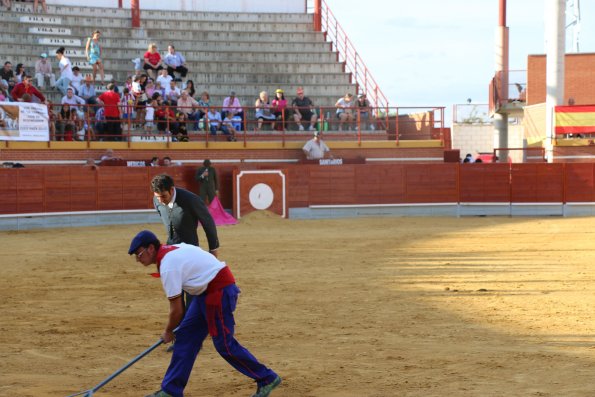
(63, 189)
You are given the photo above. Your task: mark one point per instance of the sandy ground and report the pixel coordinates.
(339, 308)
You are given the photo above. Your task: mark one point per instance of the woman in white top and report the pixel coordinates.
(263, 110)
(345, 110)
(65, 71)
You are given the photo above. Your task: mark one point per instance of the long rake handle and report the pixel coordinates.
(118, 372)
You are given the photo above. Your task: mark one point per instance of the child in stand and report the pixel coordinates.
(182, 128)
(227, 127)
(127, 104)
(214, 119)
(150, 117)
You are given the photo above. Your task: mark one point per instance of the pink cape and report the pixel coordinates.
(219, 215)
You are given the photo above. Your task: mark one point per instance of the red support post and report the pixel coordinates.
(317, 15)
(135, 13)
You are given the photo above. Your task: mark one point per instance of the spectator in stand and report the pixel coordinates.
(7, 4)
(77, 79)
(74, 101)
(164, 78)
(303, 110)
(154, 162)
(187, 105)
(159, 89)
(175, 62)
(365, 113)
(128, 83)
(127, 104)
(99, 124)
(150, 116)
(152, 60)
(43, 70)
(65, 71)
(206, 176)
(263, 110)
(7, 74)
(93, 53)
(26, 87)
(150, 88)
(228, 128)
(232, 105)
(4, 94)
(172, 93)
(315, 148)
(167, 161)
(181, 130)
(279, 107)
(345, 111)
(110, 101)
(214, 120)
(87, 91)
(190, 87)
(204, 104)
(166, 118)
(19, 73)
(66, 123)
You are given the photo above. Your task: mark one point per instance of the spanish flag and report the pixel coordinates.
(575, 119)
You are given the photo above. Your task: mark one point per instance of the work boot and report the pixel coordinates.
(264, 391)
(160, 393)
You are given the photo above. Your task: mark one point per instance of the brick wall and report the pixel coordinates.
(579, 79)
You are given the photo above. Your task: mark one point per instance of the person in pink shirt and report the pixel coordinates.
(152, 60)
(279, 105)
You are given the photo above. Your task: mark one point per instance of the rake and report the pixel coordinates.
(89, 392)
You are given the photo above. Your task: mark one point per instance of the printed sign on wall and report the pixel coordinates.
(21, 121)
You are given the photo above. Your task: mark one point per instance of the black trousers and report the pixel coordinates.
(180, 69)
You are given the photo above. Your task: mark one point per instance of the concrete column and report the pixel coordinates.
(555, 22)
(501, 136)
(501, 119)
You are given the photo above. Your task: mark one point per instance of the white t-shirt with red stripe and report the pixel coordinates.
(187, 267)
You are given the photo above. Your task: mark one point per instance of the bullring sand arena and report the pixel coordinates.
(339, 308)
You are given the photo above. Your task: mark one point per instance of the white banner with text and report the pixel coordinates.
(23, 121)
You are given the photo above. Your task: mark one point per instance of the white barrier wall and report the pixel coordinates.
(262, 6)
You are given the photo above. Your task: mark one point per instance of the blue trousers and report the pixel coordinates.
(192, 332)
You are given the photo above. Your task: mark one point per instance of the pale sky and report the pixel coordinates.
(439, 53)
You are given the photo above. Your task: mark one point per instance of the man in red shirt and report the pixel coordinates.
(110, 101)
(27, 88)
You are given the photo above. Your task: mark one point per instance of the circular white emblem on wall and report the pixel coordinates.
(261, 196)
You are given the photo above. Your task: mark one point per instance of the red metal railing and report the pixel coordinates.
(352, 61)
(356, 124)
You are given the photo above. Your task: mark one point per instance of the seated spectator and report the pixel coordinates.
(26, 87)
(152, 61)
(172, 93)
(7, 74)
(204, 104)
(154, 162)
(66, 123)
(87, 91)
(166, 161)
(19, 73)
(159, 89)
(175, 62)
(228, 127)
(4, 94)
(188, 105)
(181, 131)
(166, 119)
(164, 79)
(279, 107)
(345, 111)
(366, 115)
(303, 110)
(232, 105)
(150, 88)
(214, 120)
(43, 71)
(77, 79)
(99, 125)
(263, 110)
(189, 86)
(74, 101)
